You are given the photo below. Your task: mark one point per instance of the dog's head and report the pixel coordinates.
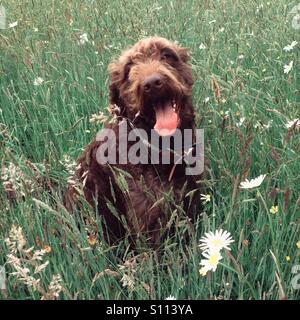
(153, 79)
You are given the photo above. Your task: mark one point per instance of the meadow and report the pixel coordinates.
(53, 79)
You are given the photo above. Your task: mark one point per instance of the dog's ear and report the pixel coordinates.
(186, 69)
(114, 95)
(184, 54)
(115, 78)
(116, 72)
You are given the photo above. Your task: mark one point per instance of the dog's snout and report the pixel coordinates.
(152, 83)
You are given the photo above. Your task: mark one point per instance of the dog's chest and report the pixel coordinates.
(151, 196)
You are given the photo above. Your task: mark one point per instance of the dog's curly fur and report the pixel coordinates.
(142, 207)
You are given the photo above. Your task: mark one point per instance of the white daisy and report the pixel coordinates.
(241, 122)
(258, 8)
(13, 24)
(203, 271)
(290, 46)
(205, 197)
(170, 298)
(214, 242)
(211, 262)
(292, 122)
(83, 38)
(206, 100)
(253, 183)
(38, 81)
(202, 46)
(288, 67)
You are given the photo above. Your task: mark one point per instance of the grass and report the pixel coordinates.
(40, 124)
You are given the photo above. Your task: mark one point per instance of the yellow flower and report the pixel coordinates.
(298, 244)
(92, 240)
(47, 248)
(288, 258)
(274, 209)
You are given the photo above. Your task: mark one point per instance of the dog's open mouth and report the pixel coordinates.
(167, 119)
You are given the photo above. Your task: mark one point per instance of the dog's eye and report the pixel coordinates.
(169, 56)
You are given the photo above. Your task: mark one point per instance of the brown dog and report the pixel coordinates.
(151, 88)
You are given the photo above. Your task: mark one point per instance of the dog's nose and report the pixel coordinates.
(152, 83)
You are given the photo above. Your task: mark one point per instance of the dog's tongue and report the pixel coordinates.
(166, 120)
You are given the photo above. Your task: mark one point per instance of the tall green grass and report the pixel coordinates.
(244, 55)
